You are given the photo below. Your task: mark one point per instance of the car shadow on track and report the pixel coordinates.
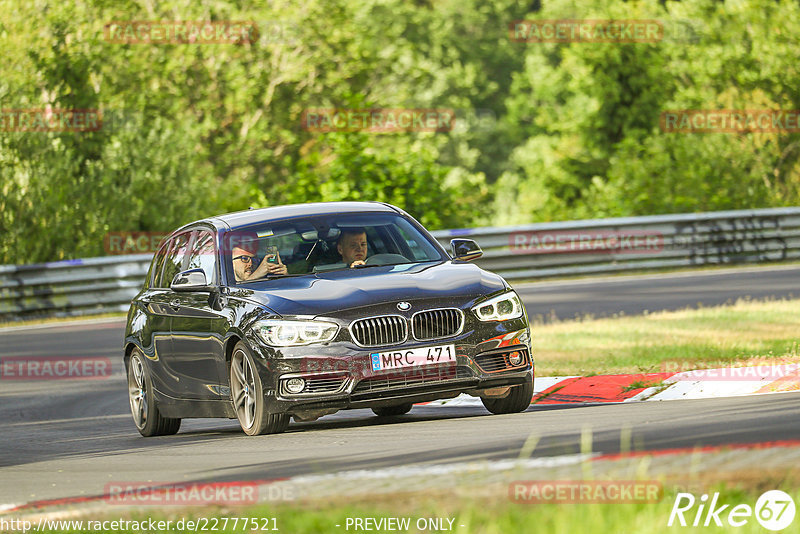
(92, 435)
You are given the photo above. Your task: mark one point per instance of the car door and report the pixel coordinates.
(157, 301)
(198, 354)
(154, 331)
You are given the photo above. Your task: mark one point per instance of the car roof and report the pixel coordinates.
(245, 218)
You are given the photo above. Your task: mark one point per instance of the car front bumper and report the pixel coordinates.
(339, 375)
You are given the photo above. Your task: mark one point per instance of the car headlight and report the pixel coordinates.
(287, 332)
(500, 308)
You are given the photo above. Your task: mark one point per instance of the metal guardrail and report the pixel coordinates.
(72, 287)
(94, 285)
(636, 243)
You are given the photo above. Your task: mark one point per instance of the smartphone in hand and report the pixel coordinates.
(272, 254)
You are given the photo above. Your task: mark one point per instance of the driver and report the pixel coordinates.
(352, 245)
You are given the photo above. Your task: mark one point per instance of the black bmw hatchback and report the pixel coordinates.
(300, 311)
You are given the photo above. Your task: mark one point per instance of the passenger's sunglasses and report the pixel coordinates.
(244, 258)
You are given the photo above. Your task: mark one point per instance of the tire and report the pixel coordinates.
(517, 400)
(388, 411)
(247, 395)
(144, 410)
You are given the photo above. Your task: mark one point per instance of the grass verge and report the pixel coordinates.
(490, 511)
(744, 333)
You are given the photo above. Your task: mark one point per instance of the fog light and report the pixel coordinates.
(295, 385)
(515, 358)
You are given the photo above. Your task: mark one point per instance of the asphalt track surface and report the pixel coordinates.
(69, 438)
(633, 295)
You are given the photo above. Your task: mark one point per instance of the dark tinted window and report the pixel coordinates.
(174, 261)
(203, 255)
(419, 249)
(155, 267)
(310, 245)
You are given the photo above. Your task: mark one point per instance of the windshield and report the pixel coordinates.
(324, 243)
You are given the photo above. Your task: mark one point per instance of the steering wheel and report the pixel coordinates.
(386, 259)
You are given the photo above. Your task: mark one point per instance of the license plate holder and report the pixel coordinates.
(413, 358)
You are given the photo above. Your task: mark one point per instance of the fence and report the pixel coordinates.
(532, 251)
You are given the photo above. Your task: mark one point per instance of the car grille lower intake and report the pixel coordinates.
(378, 331)
(324, 384)
(437, 324)
(500, 361)
(420, 377)
(318, 385)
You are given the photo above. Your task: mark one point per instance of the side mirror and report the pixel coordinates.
(465, 249)
(191, 280)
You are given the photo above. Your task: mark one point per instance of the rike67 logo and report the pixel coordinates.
(774, 510)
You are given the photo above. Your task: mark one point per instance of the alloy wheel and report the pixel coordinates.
(243, 387)
(137, 390)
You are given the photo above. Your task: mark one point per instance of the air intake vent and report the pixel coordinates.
(422, 377)
(437, 324)
(330, 384)
(379, 331)
(320, 384)
(501, 361)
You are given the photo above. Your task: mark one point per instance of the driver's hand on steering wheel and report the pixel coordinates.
(357, 263)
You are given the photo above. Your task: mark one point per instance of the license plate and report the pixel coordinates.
(398, 359)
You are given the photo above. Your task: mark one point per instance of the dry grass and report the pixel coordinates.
(745, 332)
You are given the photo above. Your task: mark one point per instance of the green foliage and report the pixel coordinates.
(545, 131)
(587, 115)
(348, 167)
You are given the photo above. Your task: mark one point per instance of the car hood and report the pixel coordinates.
(325, 293)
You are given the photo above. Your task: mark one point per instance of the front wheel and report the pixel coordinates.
(145, 413)
(517, 400)
(247, 394)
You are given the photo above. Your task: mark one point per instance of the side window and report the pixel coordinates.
(203, 256)
(375, 242)
(156, 265)
(412, 244)
(420, 247)
(174, 261)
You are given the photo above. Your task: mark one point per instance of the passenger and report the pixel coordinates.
(352, 245)
(243, 262)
